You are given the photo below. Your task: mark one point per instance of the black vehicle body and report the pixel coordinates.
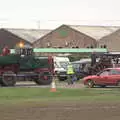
(81, 67)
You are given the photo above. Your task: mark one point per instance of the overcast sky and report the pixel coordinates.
(52, 13)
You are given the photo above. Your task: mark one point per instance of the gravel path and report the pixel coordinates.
(58, 85)
(61, 111)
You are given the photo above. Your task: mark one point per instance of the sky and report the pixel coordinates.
(49, 14)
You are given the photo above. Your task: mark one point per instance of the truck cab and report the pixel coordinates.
(60, 67)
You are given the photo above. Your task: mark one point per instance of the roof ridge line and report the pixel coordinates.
(94, 25)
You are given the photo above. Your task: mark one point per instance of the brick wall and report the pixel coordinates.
(9, 39)
(112, 41)
(65, 37)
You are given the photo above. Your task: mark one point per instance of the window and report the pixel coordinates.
(66, 43)
(104, 73)
(105, 46)
(91, 46)
(76, 66)
(64, 64)
(114, 72)
(86, 67)
(48, 44)
(56, 65)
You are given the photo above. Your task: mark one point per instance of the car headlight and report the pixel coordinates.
(57, 72)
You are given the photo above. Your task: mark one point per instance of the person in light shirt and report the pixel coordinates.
(5, 51)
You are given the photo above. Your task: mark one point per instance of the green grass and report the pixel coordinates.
(14, 95)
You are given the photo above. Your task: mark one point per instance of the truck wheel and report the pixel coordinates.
(8, 78)
(90, 84)
(44, 78)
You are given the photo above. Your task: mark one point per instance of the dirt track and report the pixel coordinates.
(61, 111)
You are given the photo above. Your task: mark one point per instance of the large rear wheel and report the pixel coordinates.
(8, 78)
(44, 78)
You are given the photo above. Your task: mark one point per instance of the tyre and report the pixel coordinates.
(8, 79)
(90, 84)
(44, 78)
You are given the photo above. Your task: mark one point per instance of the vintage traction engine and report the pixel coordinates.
(102, 61)
(24, 65)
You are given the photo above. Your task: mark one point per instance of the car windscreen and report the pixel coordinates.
(64, 64)
(81, 66)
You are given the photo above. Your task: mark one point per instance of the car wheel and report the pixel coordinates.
(90, 84)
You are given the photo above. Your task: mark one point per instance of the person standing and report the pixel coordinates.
(5, 51)
(70, 74)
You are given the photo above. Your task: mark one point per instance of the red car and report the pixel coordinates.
(109, 76)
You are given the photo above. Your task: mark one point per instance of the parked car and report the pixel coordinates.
(109, 76)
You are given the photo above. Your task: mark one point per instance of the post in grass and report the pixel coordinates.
(53, 86)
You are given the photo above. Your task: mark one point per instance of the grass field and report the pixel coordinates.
(43, 94)
(65, 104)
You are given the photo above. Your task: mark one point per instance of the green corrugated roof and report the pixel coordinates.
(67, 50)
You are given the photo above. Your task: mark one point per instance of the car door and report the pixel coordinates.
(103, 77)
(113, 77)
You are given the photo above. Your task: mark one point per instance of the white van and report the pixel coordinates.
(60, 64)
